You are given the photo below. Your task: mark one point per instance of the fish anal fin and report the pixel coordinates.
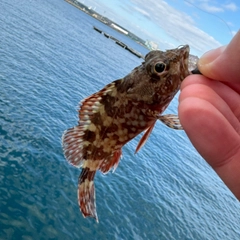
(172, 121)
(111, 162)
(86, 193)
(144, 138)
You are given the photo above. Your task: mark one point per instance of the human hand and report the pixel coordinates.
(209, 111)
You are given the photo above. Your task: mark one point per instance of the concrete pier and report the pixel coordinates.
(118, 42)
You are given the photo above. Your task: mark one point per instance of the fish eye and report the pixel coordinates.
(159, 67)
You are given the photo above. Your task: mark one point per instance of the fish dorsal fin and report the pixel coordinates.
(172, 121)
(72, 144)
(91, 104)
(144, 137)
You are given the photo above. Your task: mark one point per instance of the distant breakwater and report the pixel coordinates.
(118, 42)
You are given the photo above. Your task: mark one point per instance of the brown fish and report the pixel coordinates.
(120, 111)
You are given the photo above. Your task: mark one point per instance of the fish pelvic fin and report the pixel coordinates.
(144, 138)
(86, 193)
(172, 121)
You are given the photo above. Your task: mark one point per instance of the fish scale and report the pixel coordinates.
(120, 111)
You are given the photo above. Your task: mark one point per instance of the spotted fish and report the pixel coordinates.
(120, 111)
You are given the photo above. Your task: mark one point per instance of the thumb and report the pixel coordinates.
(222, 63)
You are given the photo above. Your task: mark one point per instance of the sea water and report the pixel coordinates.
(50, 59)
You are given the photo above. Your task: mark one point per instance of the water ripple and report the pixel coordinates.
(51, 59)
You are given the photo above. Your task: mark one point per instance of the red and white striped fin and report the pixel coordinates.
(171, 121)
(86, 193)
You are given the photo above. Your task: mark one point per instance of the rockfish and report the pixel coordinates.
(110, 118)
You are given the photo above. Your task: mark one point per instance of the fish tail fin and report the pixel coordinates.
(86, 193)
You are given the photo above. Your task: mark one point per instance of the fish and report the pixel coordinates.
(124, 108)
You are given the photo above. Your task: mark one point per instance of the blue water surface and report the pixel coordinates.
(50, 59)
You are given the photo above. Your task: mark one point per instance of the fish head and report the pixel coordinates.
(165, 65)
(158, 79)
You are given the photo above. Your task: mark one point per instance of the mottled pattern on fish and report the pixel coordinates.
(120, 111)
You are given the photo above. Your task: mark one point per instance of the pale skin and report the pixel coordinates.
(209, 111)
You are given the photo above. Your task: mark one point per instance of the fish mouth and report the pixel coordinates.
(183, 57)
(185, 49)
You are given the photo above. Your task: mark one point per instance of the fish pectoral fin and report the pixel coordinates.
(86, 193)
(144, 138)
(111, 162)
(171, 121)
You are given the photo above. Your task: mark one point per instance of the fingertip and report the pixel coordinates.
(207, 61)
(222, 63)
